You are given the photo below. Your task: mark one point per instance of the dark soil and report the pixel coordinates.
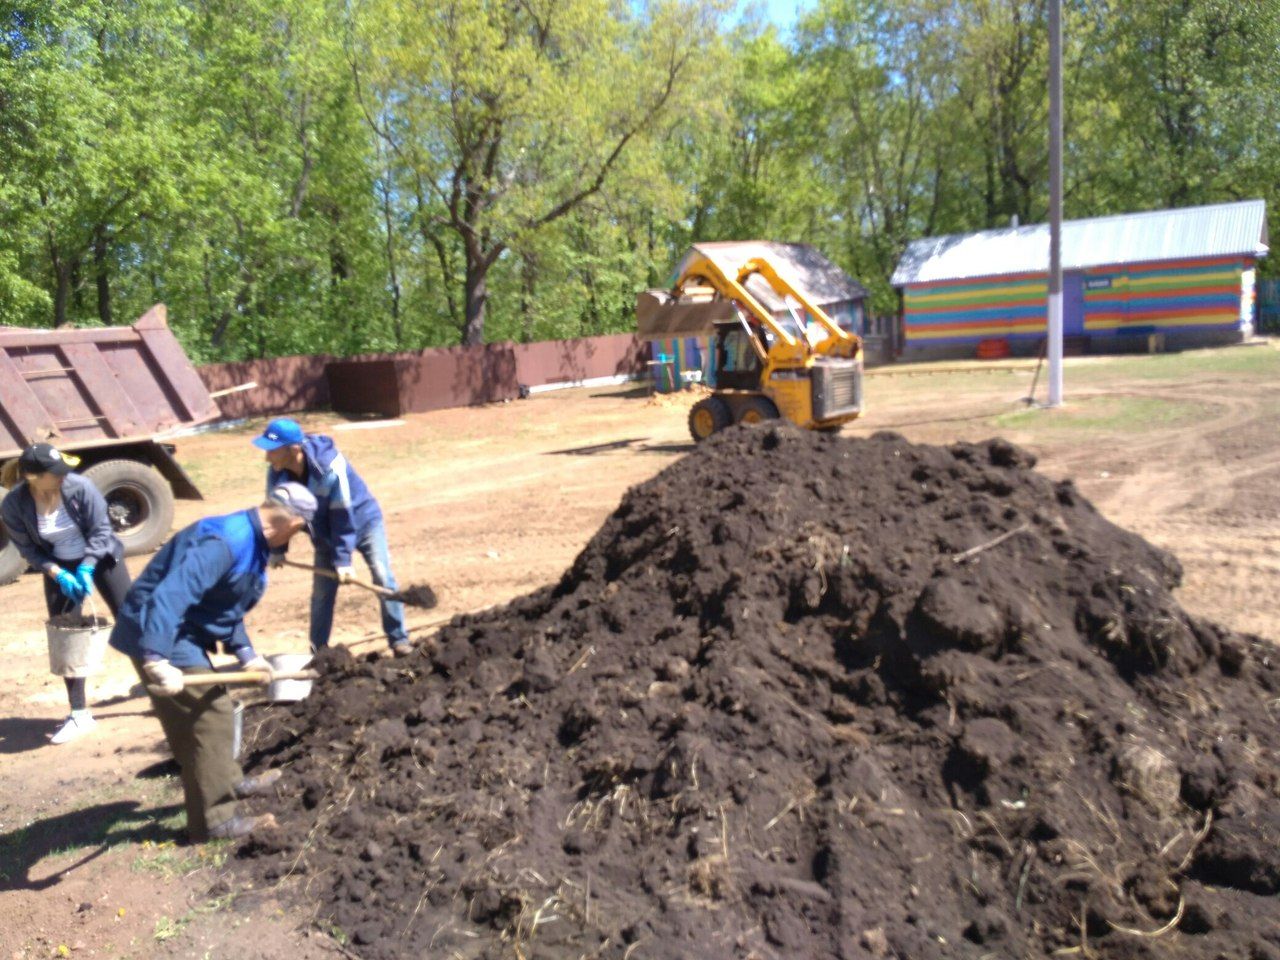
(417, 595)
(768, 713)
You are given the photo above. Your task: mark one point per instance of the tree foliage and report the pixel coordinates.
(356, 175)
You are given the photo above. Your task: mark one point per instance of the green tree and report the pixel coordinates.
(277, 248)
(83, 142)
(877, 86)
(1196, 88)
(508, 116)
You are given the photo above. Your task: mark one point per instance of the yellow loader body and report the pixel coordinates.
(808, 373)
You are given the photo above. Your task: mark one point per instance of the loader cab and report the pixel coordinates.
(737, 362)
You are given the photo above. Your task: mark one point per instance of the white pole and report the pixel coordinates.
(1054, 331)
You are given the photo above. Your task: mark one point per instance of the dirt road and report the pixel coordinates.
(486, 504)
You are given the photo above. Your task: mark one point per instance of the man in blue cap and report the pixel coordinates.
(190, 600)
(348, 520)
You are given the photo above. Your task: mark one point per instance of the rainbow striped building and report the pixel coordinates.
(1187, 275)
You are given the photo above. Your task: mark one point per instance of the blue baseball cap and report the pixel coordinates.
(279, 433)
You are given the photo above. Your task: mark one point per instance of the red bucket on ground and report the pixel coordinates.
(993, 349)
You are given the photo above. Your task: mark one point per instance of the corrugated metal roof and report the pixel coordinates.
(799, 263)
(1224, 229)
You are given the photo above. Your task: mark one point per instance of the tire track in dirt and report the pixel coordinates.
(1186, 495)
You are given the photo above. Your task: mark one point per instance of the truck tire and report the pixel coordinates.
(139, 502)
(11, 563)
(708, 416)
(757, 410)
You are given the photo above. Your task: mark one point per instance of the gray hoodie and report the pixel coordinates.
(87, 509)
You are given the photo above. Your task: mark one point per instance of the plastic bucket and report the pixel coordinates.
(77, 644)
(237, 729)
(288, 691)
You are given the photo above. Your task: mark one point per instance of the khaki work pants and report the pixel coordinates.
(198, 723)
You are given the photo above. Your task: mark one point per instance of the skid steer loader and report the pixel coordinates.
(803, 368)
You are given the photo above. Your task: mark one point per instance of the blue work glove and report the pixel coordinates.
(71, 588)
(84, 573)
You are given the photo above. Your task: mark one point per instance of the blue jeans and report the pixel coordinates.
(372, 545)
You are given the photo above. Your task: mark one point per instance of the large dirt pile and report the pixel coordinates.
(783, 706)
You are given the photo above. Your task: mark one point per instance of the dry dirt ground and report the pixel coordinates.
(488, 503)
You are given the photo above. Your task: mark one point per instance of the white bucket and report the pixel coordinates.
(237, 729)
(77, 644)
(288, 691)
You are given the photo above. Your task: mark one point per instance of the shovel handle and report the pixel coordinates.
(333, 575)
(238, 677)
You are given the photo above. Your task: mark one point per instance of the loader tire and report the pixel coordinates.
(708, 416)
(757, 410)
(11, 563)
(139, 503)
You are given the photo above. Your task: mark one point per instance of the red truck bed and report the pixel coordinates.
(80, 388)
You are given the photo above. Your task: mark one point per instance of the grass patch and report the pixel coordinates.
(1240, 362)
(106, 819)
(1106, 414)
(169, 860)
(167, 928)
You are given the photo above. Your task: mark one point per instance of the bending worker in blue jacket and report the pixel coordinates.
(191, 598)
(348, 519)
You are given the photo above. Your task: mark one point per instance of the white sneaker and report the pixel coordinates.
(77, 724)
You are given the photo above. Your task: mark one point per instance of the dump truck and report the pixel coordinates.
(801, 366)
(114, 397)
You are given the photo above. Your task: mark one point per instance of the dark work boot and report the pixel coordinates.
(239, 827)
(258, 786)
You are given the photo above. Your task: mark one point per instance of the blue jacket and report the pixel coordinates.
(194, 594)
(346, 507)
(87, 510)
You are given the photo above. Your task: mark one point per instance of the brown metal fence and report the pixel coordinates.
(570, 361)
(397, 383)
(283, 384)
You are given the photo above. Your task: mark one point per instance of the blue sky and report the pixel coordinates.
(784, 12)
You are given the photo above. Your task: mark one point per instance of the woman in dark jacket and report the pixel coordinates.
(58, 521)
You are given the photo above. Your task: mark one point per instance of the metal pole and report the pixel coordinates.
(1055, 203)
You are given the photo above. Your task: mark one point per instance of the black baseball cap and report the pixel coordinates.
(44, 458)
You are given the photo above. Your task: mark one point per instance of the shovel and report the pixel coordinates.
(241, 678)
(245, 677)
(418, 595)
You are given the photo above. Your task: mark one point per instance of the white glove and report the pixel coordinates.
(275, 560)
(258, 664)
(164, 677)
(346, 574)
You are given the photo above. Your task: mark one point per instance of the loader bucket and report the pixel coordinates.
(659, 315)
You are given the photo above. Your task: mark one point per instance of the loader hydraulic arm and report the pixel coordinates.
(784, 287)
(707, 272)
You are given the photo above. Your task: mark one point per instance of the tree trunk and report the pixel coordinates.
(528, 293)
(77, 286)
(477, 292)
(102, 274)
(61, 283)
(393, 280)
(393, 277)
(61, 293)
